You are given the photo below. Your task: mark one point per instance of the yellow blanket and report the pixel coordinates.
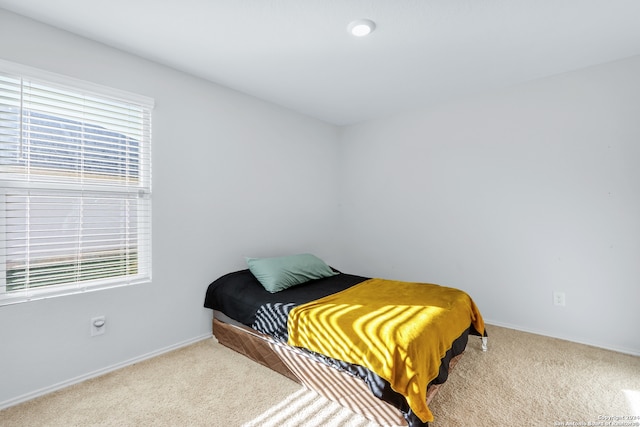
(399, 330)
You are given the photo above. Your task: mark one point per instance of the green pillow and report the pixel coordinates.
(279, 273)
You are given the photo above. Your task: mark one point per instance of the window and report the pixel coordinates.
(75, 186)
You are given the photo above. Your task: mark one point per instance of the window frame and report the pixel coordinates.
(139, 194)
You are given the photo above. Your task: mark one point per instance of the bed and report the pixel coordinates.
(379, 347)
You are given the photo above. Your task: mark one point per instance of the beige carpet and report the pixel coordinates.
(523, 380)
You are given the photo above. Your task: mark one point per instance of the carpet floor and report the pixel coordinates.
(523, 380)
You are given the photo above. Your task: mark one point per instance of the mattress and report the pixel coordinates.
(239, 298)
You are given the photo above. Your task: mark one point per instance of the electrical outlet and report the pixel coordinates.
(98, 325)
(559, 298)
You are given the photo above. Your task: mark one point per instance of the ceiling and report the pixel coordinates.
(299, 54)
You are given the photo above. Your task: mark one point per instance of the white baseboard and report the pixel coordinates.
(565, 338)
(99, 372)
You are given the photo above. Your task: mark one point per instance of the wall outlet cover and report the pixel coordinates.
(98, 326)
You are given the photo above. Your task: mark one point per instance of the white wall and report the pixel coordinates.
(510, 196)
(232, 177)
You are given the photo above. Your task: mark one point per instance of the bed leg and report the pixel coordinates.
(484, 343)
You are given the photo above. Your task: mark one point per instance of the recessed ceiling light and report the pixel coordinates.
(361, 27)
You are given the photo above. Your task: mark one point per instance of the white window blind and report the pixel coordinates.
(75, 188)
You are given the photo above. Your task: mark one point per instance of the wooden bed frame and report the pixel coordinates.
(337, 386)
